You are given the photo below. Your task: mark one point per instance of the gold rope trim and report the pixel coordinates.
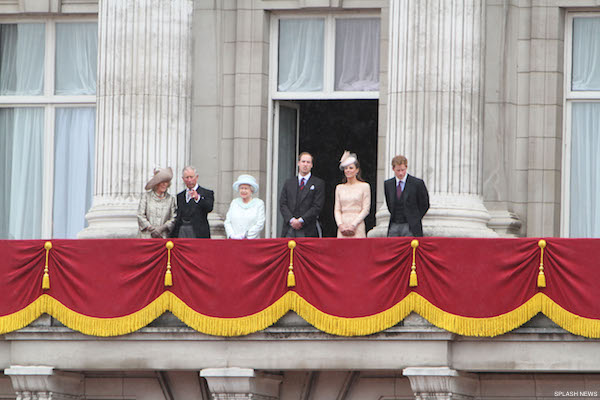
(412, 282)
(168, 274)
(46, 276)
(541, 281)
(331, 324)
(291, 278)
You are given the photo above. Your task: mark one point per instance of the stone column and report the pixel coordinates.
(45, 383)
(441, 383)
(143, 106)
(241, 384)
(435, 114)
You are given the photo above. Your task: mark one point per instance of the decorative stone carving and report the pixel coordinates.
(241, 384)
(45, 383)
(441, 383)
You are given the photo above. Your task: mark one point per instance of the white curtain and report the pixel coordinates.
(300, 55)
(357, 54)
(22, 59)
(585, 171)
(6, 124)
(21, 155)
(586, 54)
(76, 58)
(73, 169)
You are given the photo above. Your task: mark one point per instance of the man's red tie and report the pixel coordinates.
(399, 190)
(301, 183)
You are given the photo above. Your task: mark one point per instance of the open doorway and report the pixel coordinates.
(325, 128)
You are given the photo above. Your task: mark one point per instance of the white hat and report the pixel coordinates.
(160, 175)
(347, 159)
(246, 180)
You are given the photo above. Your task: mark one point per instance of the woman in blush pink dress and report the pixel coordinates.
(352, 199)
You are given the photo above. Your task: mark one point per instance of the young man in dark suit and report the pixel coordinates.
(193, 205)
(407, 200)
(301, 201)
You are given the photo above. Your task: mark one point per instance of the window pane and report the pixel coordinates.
(586, 54)
(73, 169)
(585, 171)
(22, 59)
(300, 55)
(76, 58)
(357, 54)
(21, 157)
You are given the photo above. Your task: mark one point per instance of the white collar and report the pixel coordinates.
(306, 177)
(403, 180)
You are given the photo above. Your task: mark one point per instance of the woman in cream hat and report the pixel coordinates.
(246, 216)
(156, 212)
(352, 199)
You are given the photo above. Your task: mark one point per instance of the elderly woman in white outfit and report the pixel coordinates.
(156, 212)
(246, 216)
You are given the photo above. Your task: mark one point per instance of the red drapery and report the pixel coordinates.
(480, 287)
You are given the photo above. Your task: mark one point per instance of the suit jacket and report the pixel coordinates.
(196, 212)
(306, 203)
(415, 198)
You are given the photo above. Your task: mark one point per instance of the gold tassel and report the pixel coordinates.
(291, 279)
(541, 281)
(413, 268)
(168, 278)
(168, 275)
(46, 278)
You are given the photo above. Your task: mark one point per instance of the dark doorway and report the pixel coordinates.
(327, 128)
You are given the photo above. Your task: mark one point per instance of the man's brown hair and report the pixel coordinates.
(399, 160)
(306, 153)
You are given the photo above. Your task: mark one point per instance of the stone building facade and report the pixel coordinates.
(478, 94)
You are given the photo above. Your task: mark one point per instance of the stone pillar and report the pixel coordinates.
(241, 384)
(435, 114)
(441, 383)
(143, 106)
(44, 383)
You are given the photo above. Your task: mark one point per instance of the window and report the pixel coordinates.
(47, 119)
(581, 164)
(333, 56)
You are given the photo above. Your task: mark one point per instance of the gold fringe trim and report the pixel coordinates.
(232, 326)
(331, 324)
(23, 317)
(469, 326)
(360, 326)
(573, 323)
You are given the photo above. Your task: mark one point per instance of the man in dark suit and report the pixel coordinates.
(193, 206)
(301, 201)
(407, 199)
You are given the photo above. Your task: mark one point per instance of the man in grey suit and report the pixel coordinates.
(407, 200)
(301, 201)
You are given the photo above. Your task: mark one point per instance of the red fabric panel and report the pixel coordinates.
(352, 277)
(107, 278)
(229, 278)
(341, 277)
(21, 271)
(477, 277)
(572, 269)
